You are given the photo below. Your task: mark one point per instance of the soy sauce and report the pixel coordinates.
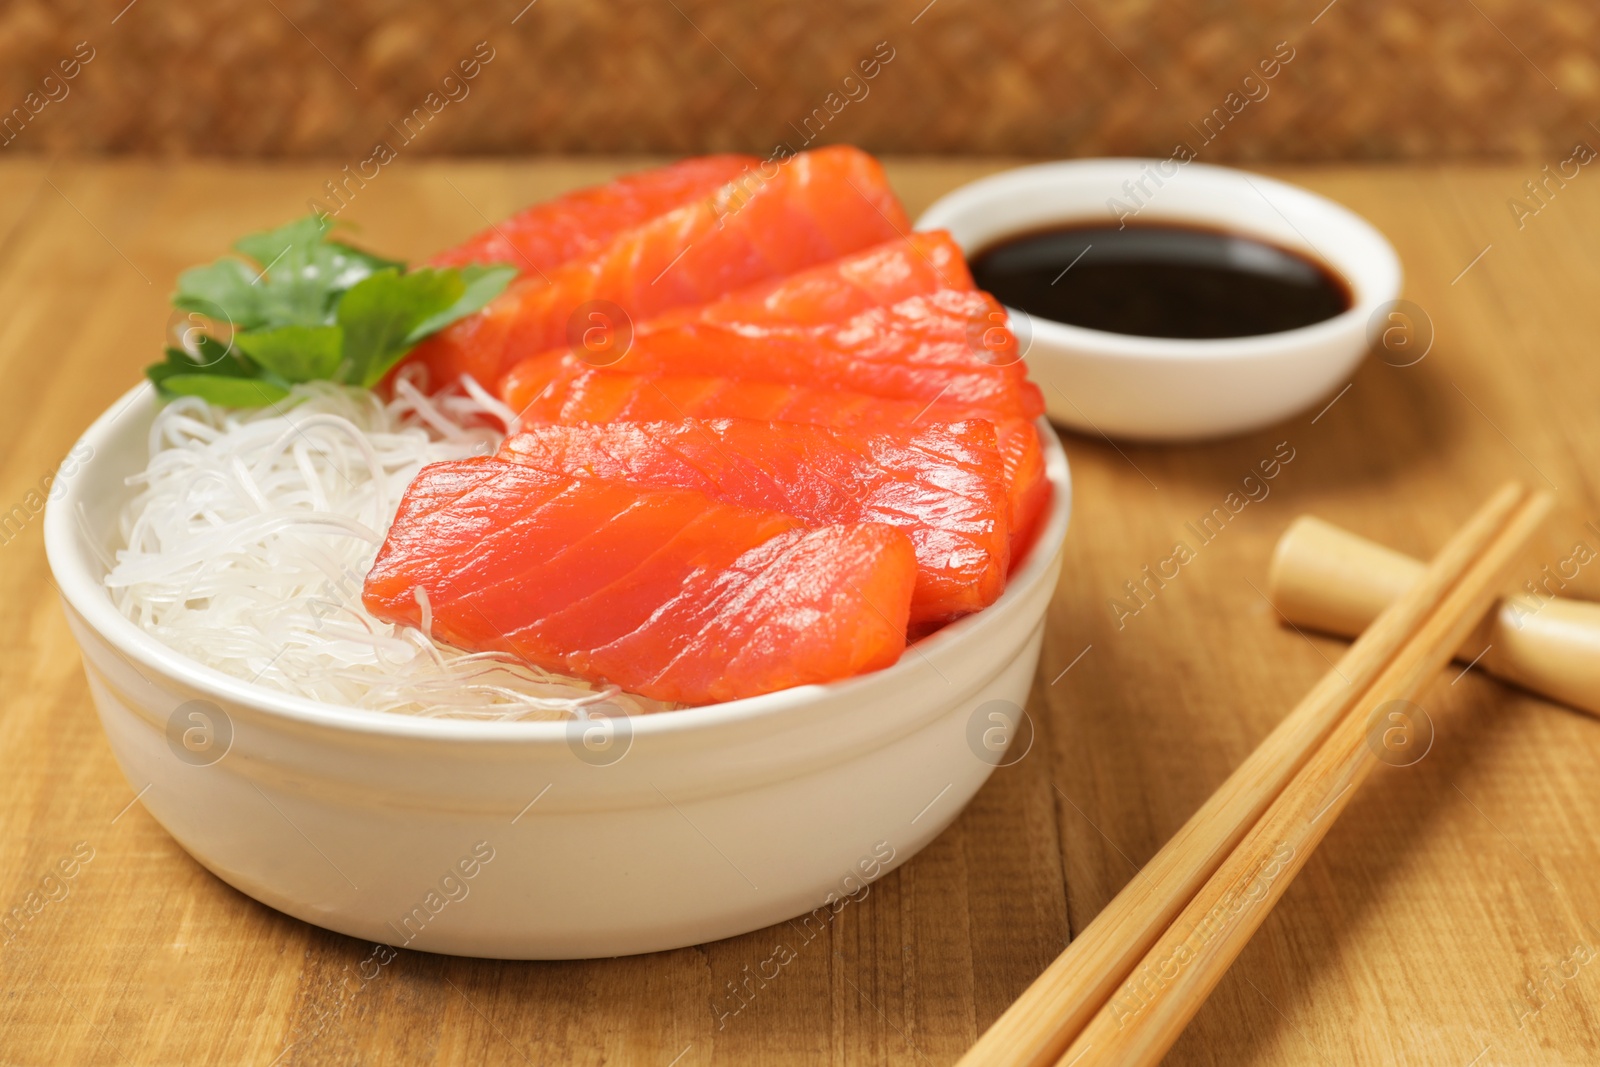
(1160, 280)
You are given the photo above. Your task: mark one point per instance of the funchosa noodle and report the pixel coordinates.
(250, 532)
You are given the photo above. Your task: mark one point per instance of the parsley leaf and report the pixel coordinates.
(482, 284)
(222, 291)
(379, 313)
(295, 353)
(218, 373)
(224, 391)
(386, 314)
(306, 307)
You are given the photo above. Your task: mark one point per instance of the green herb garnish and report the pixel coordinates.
(308, 308)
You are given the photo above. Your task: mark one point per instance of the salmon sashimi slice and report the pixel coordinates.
(583, 394)
(546, 235)
(663, 592)
(805, 607)
(811, 208)
(921, 263)
(943, 484)
(929, 348)
(1027, 482)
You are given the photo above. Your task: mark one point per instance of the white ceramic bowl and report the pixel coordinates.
(1167, 389)
(500, 839)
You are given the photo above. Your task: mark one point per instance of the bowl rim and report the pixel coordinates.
(1377, 284)
(87, 596)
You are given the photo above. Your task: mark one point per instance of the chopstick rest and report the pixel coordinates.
(1085, 977)
(1328, 579)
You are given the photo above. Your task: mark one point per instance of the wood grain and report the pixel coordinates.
(1408, 938)
(1152, 1007)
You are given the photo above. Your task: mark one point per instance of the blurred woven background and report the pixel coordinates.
(1370, 80)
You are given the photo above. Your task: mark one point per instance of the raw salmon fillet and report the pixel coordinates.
(937, 346)
(546, 235)
(664, 592)
(943, 484)
(921, 263)
(815, 207)
(584, 395)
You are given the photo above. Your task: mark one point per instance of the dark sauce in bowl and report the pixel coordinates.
(1160, 280)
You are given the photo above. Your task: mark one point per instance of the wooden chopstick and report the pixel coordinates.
(1041, 1023)
(1149, 1010)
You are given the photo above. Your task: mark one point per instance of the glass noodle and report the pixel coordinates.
(251, 531)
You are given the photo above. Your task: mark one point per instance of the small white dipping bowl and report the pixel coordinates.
(1164, 389)
(714, 821)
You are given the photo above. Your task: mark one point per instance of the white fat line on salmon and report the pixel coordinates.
(674, 263)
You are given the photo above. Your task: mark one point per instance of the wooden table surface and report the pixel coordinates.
(1452, 916)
